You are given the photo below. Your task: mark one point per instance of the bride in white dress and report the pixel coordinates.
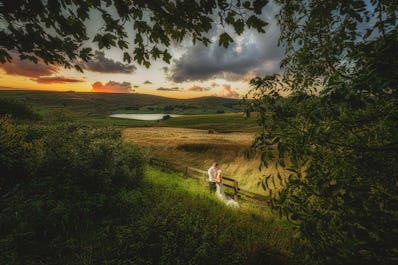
(220, 191)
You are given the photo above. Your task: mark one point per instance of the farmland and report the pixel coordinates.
(102, 104)
(196, 140)
(199, 148)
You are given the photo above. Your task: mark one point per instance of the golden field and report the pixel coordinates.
(199, 148)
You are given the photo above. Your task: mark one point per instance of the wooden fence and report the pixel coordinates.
(231, 185)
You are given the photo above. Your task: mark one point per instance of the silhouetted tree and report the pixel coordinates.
(336, 135)
(55, 31)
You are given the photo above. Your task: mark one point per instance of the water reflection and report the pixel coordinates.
(144, 117)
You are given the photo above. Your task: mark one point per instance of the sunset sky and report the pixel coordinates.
(194, 71)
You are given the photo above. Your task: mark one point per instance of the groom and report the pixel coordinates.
(212, 177)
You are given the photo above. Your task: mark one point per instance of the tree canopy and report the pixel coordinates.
(334, 139)
(56, 31)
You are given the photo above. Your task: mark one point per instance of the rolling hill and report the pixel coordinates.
(100, 104)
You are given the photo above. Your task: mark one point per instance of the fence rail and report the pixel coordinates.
(199, 174)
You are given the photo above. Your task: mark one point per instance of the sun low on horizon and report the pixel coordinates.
(193, 71)
(105, 72)
(107, 75)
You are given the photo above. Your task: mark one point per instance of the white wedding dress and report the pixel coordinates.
(226, 199)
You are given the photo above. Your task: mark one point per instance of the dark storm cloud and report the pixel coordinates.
(105, 65)
(252, 54)
(169, 89)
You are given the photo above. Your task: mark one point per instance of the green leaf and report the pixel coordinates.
(126, 57)
(257, 23)
(258, 5)
(230, 19)
(239, 26)
(225, 40)
(166, 56)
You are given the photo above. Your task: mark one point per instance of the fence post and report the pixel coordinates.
(235, 189)
(186, 172)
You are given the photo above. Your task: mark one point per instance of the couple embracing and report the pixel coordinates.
(215, 185)
(215, 178)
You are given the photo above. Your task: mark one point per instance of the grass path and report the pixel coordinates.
(256, 236)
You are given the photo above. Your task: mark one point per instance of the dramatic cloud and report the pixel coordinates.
(147, 82)
(112, 87)
(27, 68)
(198, 89)
(227, 92)
(105, 65)
(56, 80)
(252, 54)
(169, 89)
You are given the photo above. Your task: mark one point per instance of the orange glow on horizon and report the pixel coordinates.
(69, 81)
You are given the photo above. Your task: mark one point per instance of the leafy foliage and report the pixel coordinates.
(17, 110)
(66, 155)
(74, 195)
(336, 132)
(55, 181)
(56, 31)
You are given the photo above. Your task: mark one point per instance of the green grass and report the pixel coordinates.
(94, 109)
(103, 104)
(227, 122)
(165, 219)
(117, 122)
(176, 182)
(205, 231)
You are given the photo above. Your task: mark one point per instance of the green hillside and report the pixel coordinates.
(100, 104)
(78, 195)
(227, 122)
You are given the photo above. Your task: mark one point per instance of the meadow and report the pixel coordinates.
(99, 105)
(202, 138)
(199, 148)
(74, 194)
(78, 184)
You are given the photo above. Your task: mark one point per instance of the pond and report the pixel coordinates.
(143, 117)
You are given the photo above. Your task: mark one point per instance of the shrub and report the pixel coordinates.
(17, 110)
(67, 154)
(57, 183)
(19, 157)
(166, 117)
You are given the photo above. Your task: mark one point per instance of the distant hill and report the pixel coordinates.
(107, 103)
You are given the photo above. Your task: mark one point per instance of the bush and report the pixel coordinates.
(19, 157)
(17, 110)
(95, 159)
(166, 117)
(57, 182)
